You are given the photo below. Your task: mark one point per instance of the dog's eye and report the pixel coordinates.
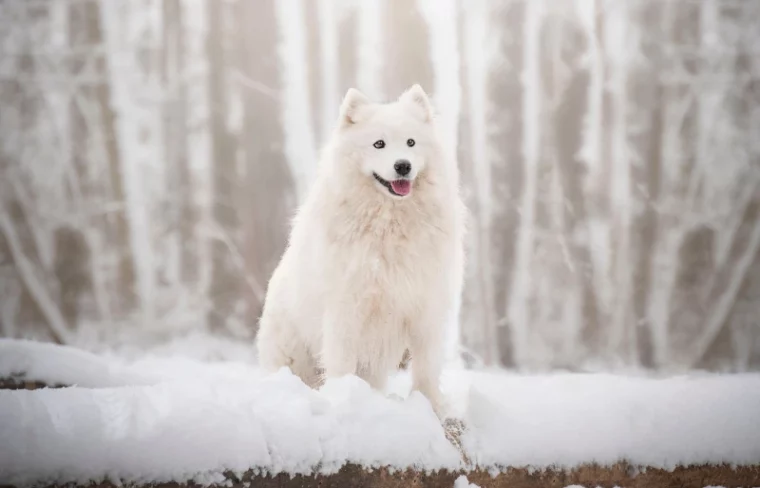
(379, 144)
(410, 142)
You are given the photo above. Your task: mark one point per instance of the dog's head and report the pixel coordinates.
(387, 142)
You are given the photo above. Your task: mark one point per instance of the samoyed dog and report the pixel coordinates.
(375, 260)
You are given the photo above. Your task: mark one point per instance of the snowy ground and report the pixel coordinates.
(174, 418)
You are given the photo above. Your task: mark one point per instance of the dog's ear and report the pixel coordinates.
(416, 98)
(352, 103)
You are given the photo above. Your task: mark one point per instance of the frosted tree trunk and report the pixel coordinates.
(506, 132)
(322, 56)
(568, 95)
(348, 34)
(443, 40)
(176, 139)
(370, 41)
(472, 314)
(479, 167)
(519, 312)
(267, 213)
(671, 280)
(77, 27)
(589, 229)
(199, 136)
(224, 288)
(645, 117)
(300, 147)
(405, 58)
(744, 353)
(746, 248)
(124, 164)
(620, 342)
(34, 286)
(729, 193)
(328, 55)
(743, 321)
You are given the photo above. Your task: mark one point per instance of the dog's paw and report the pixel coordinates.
(453, 428)
(454, 425)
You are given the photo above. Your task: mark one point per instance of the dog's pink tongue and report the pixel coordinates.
(402, 187)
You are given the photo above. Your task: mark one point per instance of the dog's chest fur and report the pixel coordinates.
(388, 250)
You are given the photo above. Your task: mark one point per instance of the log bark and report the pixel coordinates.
(620, 474)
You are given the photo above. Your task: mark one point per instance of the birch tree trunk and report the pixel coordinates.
(405, 59)
(621, 341)
(86, 22)
(519, 306)
(267, 213)
(300, 147)
(506, 187)
(225, 286)
(126, 165)
(176, 139)
(646, 146)
(371, 39)
(731, 194)
(441, 19)
(476, 166)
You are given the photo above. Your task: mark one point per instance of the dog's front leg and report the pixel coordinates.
(426, 347)
(339, 351)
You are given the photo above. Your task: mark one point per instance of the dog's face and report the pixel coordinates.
(388, 142)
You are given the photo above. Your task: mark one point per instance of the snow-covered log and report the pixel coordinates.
(177, 420)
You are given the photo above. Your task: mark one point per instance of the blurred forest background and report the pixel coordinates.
(152, 152)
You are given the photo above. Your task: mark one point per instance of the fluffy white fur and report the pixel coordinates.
(368, 274)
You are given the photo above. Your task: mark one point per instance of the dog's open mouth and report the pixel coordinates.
(400, 188)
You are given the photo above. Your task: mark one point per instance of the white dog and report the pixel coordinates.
(375, 258)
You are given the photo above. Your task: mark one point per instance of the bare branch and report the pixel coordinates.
(722, 309)
(34, 286)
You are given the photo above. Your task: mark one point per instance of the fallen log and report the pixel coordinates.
(621, 474)
(23, 384)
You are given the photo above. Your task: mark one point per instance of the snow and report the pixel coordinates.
(567, 419)
(180, 419)
(182, 430)
(53, 364)
(463, 482)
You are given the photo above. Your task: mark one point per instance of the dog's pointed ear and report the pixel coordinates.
(416, 98)
(352, 103)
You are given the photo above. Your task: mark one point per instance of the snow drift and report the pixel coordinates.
(147, 421)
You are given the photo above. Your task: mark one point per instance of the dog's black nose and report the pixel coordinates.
(402, 167)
